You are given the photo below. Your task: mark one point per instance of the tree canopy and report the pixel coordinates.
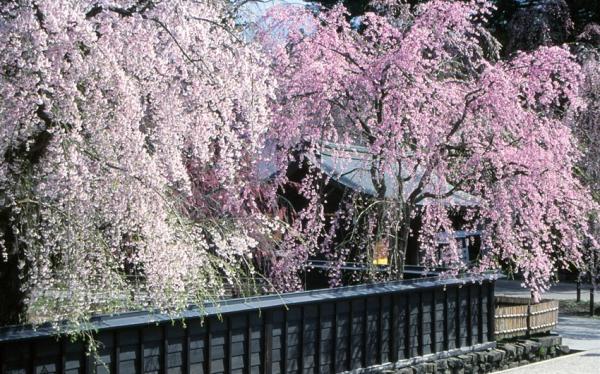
(143, 144)
(426, 94)
(129, 134)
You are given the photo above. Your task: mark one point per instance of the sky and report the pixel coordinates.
(255, 9)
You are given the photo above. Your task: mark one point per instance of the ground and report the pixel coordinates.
(579, 333)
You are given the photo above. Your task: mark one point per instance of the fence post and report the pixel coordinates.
(267, 342)
(529, 316)
(207, 346)
(591, 300)
(491, 311)
(394, 324)
(420, 322)
(469, 314)
(457, 318)
(446, 337)
(579, 288)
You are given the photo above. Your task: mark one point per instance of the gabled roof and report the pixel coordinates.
(351, 165)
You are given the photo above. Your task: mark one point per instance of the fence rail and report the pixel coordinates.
(321, 331)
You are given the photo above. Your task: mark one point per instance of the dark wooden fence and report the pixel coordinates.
(321, 331)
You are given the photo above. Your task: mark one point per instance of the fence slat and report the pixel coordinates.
(318, 341)
(227, 347)
(301, 341)
(491, 311)
(164, 363)
(267, 343)
(284, 343)
(350, 323)
(380, 335)
(186, 351)
(207, 346)
(333, 353)
(469, 316)
(446, 332)
(117, 353)
(457, 313)
(140, 351)
(480, 314)
(31, 365)
(393, 332)
(408, 341)
(434, 341)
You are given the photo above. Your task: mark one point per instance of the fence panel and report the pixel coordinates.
(322, 331)
(517, 316)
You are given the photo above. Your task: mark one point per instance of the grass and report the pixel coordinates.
(579, 309)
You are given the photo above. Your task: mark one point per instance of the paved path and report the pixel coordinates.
(560, 291)
(579, 333)
(586, 362)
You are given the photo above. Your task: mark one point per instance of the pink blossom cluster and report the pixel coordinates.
(133, 134)
(587, 129)
(430, 101)
(130, 132)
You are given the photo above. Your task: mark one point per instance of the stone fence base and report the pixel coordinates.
(506, 355)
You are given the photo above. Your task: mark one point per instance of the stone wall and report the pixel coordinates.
(506, 355)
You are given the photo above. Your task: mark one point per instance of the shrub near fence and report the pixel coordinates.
(321, 331)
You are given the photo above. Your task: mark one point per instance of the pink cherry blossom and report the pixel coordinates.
(130, 132)
(438, 114)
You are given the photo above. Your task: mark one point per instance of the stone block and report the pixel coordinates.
(495, 355)
(520, 350)
(548, 341)
(526, 344)
(474, 357)
(430, 367)
(442, 365)
(510, 349)
(455, 363)
(481, 356)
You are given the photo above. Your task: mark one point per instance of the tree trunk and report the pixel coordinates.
(399, 242)
(12, 306)
(23, 156)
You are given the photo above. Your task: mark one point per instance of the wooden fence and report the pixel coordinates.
(517, 316)
(322, 331)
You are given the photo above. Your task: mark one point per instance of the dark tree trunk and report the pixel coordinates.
(11, 296)
(399, 241)
(22, 158)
